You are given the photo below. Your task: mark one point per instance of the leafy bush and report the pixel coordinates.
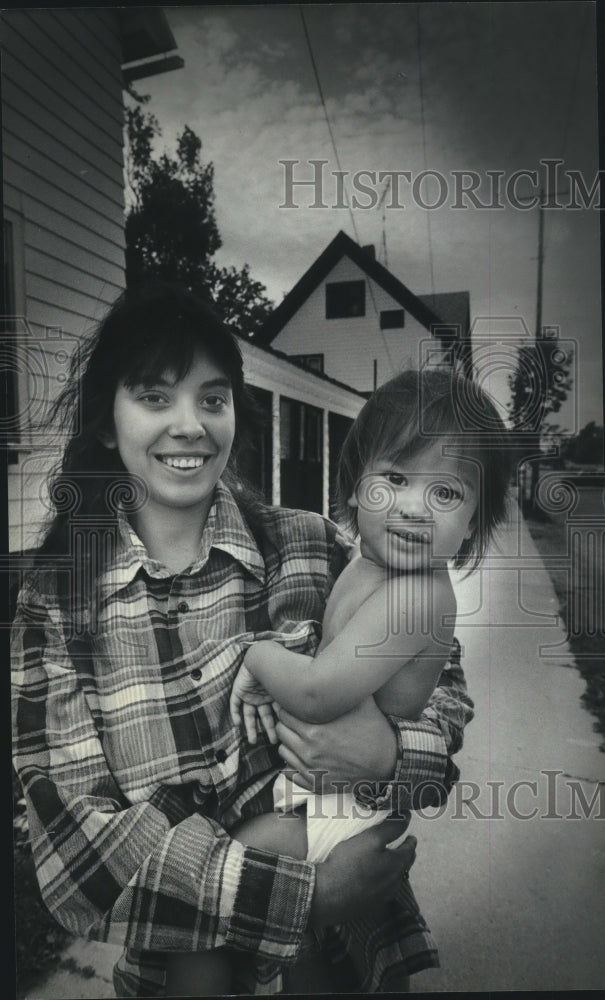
(585, 642)
(39, 938)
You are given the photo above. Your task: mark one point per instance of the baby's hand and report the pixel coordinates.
(250, 700)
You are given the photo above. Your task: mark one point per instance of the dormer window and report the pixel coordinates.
(345, 299)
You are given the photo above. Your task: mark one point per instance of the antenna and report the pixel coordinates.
(382, 201)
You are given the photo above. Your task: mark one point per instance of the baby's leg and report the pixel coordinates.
(286, 833)
(279, 833)
(198, 974)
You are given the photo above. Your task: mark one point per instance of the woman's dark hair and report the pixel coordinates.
(149, 330)
(409, 414)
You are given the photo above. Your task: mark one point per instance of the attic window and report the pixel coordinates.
(345, 299)
(392, 319)
(446, 333)
(8, 346)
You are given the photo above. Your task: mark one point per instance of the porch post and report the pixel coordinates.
(326, 465)
(276, 449)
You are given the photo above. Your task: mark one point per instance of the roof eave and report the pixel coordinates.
(148, 44)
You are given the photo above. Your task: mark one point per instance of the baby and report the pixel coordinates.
(422, 491)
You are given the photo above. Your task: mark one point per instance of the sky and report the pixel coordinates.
(437, 87)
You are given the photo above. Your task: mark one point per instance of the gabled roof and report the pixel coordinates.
(454, 309)
(341, 246)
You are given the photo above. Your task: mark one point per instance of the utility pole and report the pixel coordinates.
(540, 266)
(542, 201)
(387, 188)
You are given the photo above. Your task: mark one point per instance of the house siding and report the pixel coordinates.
(64, 194)
(351, 345)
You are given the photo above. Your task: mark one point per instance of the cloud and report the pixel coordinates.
(502, 86)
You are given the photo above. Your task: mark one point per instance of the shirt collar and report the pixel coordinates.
(225, 529)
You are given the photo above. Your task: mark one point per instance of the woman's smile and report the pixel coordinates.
(184, 463)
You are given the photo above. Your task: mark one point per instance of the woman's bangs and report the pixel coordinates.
(157, 352)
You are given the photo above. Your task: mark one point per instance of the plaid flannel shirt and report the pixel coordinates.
(132, 770)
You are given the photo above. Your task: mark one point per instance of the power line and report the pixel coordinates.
(573, 90)
(574, 85)
(333, 140)
(423, 122)
(325, 110)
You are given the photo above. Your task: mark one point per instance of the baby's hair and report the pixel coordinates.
(412, 412)
(150, 329)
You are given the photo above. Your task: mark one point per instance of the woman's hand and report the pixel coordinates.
(358, 746)
(361, 874)
(250, 700)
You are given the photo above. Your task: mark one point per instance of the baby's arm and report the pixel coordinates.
(359, 660)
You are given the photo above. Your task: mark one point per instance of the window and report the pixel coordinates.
(446, 334)
(345, 299)
(8, 366)
(255, 462)
(9, 272)
(314, 362)
(392, 319)
(301, 453)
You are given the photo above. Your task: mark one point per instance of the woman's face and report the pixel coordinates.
(177, 436)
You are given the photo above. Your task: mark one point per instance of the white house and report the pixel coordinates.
(350, 318)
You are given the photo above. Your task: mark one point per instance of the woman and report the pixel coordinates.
(123, 664)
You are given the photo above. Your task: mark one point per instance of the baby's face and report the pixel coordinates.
(414, 514)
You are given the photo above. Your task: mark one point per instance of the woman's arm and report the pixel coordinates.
(146, 875)
(376, 643)
(150, 875)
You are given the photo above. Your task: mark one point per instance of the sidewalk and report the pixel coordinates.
(515, 904)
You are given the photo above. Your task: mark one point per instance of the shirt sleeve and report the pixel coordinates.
(146, 875)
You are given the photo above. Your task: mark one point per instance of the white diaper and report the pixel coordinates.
(330, 818)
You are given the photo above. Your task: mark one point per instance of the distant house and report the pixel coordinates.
(353, 320)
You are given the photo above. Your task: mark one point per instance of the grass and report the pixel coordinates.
(586, 641)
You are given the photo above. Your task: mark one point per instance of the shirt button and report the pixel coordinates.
(183, 608)
(221, 756)
(196, 674)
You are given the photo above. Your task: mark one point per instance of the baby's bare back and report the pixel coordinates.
(418, 602)
(358, 580)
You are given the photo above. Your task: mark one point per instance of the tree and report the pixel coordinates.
(171, 230)
(586, 447)
(539, 386)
